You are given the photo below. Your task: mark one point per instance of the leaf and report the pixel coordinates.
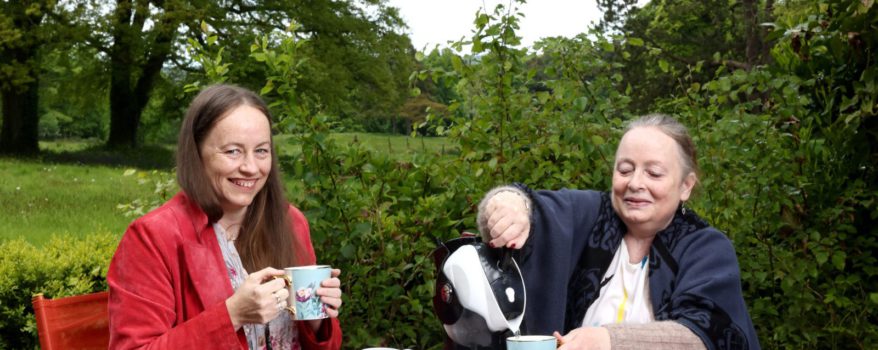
(822, 257)
(664, 66)
(597, 140)
(635, 41)
(838, 260)
(419, 56)
(873, 297)
(269, 86)
(608, 46)
(481, 20)
(456, 63)
(129, 172)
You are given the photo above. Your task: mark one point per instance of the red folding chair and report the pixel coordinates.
(77, 322)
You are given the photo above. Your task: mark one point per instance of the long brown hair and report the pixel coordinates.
(266, 237)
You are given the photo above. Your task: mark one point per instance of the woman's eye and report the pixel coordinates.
(233, 152)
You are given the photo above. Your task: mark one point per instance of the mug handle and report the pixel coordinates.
(287, 280)
(287, 283)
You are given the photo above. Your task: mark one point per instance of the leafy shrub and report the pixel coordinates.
(787, 154)
(64, 266)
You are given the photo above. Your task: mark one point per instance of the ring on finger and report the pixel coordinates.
(276, 298)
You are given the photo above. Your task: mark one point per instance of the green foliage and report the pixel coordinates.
(787, 153)
(377, 216)
(164, 186)
(64, 266)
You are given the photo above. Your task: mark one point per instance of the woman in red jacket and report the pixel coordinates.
(197, 273)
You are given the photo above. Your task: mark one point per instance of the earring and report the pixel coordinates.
(682, 209)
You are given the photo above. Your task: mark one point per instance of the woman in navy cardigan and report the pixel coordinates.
(630, 268)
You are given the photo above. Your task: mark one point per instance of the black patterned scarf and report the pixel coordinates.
(670, 300)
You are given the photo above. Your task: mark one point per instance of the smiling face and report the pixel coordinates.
(648, 180)
(236, 155)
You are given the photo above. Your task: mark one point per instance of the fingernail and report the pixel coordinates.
(491, 244)
(512, 246)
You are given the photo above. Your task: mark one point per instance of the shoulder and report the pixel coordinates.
(566, 200)
(171, 222)
(298, 221)
(296, 214)
(707, 245)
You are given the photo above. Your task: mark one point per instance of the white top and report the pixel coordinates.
(624, 296)
(282, 333)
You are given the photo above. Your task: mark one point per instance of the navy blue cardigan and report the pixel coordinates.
(694, 277)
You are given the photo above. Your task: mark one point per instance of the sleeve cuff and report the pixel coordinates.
(327, 337)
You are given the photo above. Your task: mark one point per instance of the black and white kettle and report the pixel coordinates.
(479, 294)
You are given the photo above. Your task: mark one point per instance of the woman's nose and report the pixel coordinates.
(636, 181)
(248, 164)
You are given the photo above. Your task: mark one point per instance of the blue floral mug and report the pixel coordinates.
(303, 282)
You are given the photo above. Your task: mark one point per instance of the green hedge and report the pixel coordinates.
(63, 266)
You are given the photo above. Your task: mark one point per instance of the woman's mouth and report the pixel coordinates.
(636, 202)
(244, 183)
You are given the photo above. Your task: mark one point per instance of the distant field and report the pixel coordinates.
(73, 188)
(41, 199)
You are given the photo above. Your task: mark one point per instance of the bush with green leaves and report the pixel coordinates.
(62, 267)
(787, 156)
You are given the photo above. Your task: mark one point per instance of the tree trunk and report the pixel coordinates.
(20, 134)
(754, 33)
(129, 98)
(125, 110)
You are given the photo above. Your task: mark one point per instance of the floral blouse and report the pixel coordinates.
(281, 332)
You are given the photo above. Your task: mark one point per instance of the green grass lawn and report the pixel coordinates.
(40, 199)
(74, 187)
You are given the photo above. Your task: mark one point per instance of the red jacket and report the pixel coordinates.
(168, 285)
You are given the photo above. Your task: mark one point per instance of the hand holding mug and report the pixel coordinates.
(585, 338)
(508, 220)
(259, 299)
(330, 295)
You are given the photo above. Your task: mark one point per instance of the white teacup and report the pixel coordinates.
(531, 342)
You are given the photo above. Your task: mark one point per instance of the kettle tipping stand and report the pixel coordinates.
(479, 294)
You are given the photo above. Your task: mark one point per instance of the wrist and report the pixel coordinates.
(233, 316)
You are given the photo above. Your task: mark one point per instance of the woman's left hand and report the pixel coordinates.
(585, 338)
(330, 294)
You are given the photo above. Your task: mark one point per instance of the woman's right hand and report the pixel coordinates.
(259, 299)
(507, 219)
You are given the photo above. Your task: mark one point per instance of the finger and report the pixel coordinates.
(518, 242)
(499, 229)
(264, 274)
(331, 302)
(509, 233)
(329, 292)
(513, 234)
(335, 273)
(559, 339)
(282, 294)
(331, 283)
(271, 286)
